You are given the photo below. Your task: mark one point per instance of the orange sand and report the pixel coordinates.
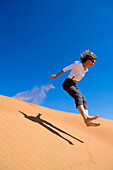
(37, 138)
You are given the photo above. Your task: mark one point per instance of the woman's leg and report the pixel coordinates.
(84, 112)
(80, 101)
(86, 117)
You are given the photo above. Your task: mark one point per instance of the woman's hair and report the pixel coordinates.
(88, 55)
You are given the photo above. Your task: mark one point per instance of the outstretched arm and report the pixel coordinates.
(56, 75)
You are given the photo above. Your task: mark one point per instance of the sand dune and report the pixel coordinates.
(37, 138)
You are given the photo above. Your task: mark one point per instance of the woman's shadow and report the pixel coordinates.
(50, 127)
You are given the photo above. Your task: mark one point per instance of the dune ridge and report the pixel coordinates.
(33, 137)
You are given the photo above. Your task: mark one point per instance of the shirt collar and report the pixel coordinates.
(83, 67)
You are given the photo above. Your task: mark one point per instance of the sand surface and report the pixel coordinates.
(37, 138)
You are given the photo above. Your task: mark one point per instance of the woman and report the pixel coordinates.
(78, 70)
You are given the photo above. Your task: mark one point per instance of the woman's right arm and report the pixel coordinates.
(62, 71)
(56, 75)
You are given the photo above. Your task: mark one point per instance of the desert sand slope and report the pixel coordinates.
(37, 138)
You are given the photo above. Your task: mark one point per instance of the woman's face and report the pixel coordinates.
(91, 62)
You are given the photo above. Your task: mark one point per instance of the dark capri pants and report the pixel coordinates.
(71, 88)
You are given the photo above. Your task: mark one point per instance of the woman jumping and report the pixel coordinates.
(78, 70)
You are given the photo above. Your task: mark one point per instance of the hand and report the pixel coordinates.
(53, 76)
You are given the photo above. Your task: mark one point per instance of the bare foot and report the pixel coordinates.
(89, 119)
(93, 124)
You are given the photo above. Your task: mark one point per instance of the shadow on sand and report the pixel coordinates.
(50, 127)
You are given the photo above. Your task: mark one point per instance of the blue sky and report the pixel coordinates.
(40, 37)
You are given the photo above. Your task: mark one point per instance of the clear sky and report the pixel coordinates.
(41, 37)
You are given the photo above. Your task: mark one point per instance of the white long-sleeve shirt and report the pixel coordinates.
(77, 71)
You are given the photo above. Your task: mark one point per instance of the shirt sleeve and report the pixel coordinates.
(70, 67)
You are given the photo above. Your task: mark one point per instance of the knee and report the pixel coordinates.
(85, 104)
(78, 102)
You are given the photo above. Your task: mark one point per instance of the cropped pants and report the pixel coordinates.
(71, 88)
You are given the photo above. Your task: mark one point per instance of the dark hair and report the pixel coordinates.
(88, 55)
